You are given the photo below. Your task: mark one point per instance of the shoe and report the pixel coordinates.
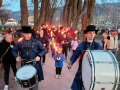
(6, 87)
(15, 78)
(57, 76)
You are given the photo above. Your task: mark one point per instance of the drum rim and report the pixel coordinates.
(92, 70)
(116, 71)
(25, 66)
(28, 87)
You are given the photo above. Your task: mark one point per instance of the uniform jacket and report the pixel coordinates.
(84, 46)
(62, 58)
(38, 49)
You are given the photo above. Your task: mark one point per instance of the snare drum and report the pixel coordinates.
(100, 70)
(26, 76)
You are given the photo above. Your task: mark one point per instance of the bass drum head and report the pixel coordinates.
(26, 72)
(86, 71)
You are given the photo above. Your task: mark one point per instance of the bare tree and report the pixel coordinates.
(24, 12)
(47, 12)
(78, 10)
(35, 13)
(42, 12)
(65, 13)
(4, 15)
(88, 15)
(0, 3)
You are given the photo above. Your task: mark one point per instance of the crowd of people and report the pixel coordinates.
(35, 45)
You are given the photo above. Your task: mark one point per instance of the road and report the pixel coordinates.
(49, 82)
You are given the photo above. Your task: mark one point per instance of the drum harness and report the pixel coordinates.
(31, 61)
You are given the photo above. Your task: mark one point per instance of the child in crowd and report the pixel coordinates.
(59, 58)
(74, 43)
(52, 44)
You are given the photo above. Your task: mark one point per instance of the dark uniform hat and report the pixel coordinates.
(27, 29)
(90, 28)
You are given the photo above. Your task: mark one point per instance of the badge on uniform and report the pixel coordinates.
(11, 46)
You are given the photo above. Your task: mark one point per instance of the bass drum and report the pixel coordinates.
(26, 76)
(100, 70)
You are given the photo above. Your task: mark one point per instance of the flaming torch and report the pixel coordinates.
(20, 39)
(51, 34)
(55, 47)
(63, 32)
(46, 25)
(76, 32)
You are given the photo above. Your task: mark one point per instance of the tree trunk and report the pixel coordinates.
(42, 12)
(35, 13)
(87, 17)
(69, 14)
(47, 12)
(0, 3)
(65, 13)
(24, 12)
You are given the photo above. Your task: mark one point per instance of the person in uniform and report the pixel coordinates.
(30, 49)
(90, 33)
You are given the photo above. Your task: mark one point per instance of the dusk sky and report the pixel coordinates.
(14, 5)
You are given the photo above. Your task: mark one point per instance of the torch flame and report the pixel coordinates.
(55, 47)
(20, 39)
(63, 32)
(51, 34)
(76, 32)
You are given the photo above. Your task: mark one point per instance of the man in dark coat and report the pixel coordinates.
(90, 33)
(30, 49)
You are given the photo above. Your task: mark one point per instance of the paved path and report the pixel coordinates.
(50, 82)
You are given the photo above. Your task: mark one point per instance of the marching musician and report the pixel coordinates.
(90, 33)
(44, 41)
(29, 49)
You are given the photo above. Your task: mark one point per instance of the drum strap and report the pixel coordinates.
(28, 48)
(85, 48)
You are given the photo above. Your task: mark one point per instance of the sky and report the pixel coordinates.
(14, 5)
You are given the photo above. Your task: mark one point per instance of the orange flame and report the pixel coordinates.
(76, 32)
(63, 32)
(37, 31)
(55, 47)
(20, 39)
(51, 34)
